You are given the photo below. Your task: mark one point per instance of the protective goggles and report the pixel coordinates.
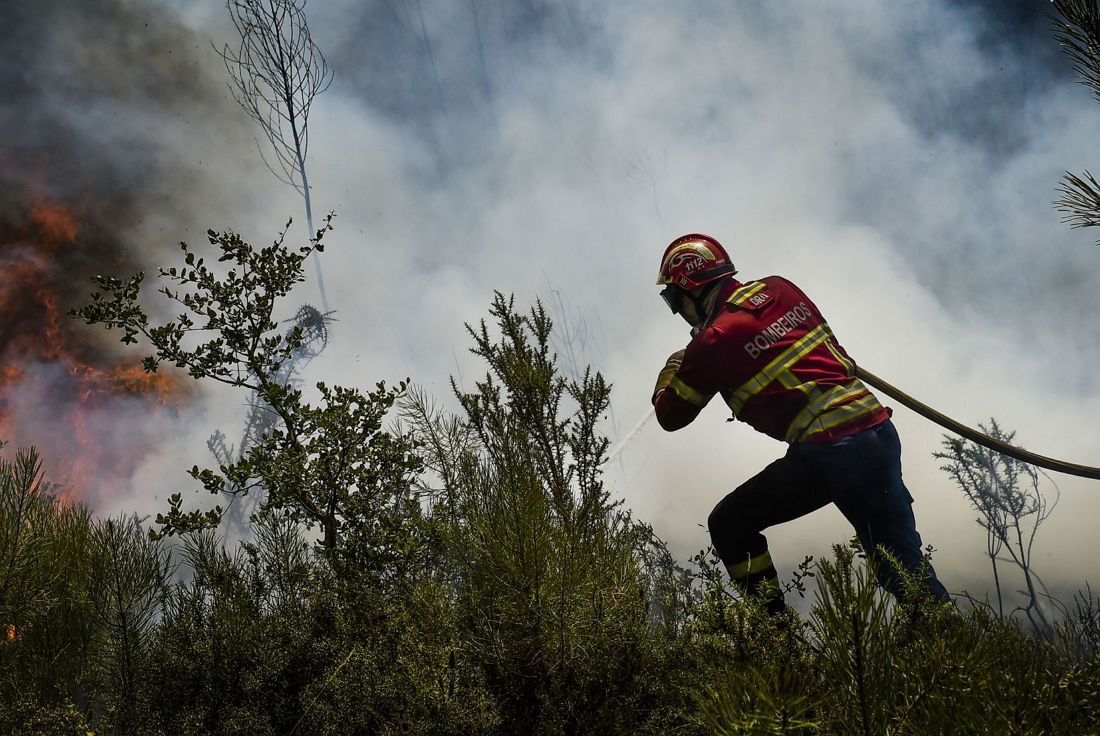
(673, 296)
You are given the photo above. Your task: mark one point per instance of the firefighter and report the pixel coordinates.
(764, 347)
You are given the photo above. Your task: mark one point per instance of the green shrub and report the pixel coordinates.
(472, 576)
(551, 595)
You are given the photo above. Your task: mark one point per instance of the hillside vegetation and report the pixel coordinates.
(410, 571)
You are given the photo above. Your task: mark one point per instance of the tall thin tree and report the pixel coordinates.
(276, 72)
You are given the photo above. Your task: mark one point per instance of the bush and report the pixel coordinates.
(499, 591)
(548, 578)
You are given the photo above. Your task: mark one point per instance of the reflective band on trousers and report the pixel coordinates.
(823, 411)
(750, 566)
(778, 366)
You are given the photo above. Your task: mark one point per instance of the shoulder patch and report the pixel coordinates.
(752, 296)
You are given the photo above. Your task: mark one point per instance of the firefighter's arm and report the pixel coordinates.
(676, 403)
(664, 378)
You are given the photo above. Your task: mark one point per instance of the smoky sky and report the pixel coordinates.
(897, 160)
(446, 72)
(102, 103)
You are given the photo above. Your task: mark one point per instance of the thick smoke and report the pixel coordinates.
(95, 177)
(897, 160)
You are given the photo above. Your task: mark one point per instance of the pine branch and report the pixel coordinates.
(1080, 201)
(1078, 31)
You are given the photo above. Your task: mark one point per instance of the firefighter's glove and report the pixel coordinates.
(664, 378)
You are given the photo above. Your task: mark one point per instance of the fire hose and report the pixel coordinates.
(1042, 461)
(974, 435)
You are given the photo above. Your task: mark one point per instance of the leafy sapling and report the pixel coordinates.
(331, 466)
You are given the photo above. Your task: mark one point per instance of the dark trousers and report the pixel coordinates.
(861, 474)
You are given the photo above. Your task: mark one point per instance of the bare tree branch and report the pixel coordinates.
(1012, 507)
(275, 73)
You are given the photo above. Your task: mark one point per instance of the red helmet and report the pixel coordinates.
(693, 260)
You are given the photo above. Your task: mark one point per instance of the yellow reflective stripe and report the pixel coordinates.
(821, 403)
(750, 566)
(774, 369)
(848, 365)
(843, 414)
(745, 292)
(790, 380)
(687, 393)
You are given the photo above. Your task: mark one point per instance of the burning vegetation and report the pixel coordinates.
(91, 409)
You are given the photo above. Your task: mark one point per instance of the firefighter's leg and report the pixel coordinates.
(876, 502)
(781, 492)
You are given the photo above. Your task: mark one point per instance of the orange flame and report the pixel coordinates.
(54, 221)
(93, 414)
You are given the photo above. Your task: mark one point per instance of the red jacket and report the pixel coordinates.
(770, 354)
